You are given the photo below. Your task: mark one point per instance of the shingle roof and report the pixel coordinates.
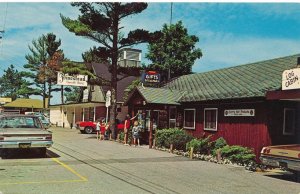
(160, 95)
(244, 81)
(25, 103)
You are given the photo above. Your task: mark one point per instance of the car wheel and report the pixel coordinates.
(42, 152)
(88, 130)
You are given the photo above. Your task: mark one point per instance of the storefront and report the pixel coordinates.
(244, 104)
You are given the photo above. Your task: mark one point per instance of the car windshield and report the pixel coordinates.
(19, 122)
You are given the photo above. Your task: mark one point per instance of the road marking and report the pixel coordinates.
(42, 182)
(82, 178)
(70, 169)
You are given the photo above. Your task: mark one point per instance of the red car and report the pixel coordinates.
(90, 126)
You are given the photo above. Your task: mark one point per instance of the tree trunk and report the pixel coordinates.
(49, 93)
(44, 95)
(62, 94)
(114, 59)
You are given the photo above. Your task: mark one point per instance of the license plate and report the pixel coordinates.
(24, 145)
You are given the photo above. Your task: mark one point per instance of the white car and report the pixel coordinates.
(24, 132)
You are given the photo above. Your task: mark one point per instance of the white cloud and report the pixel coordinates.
(225, 51)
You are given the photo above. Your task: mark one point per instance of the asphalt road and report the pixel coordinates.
(78, 163)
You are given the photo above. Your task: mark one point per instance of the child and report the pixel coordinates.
(135, 133)
(98, 129)
(102, 130)
(107, 131)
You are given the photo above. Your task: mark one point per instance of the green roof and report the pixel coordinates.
(244, 81)
(160, 95)
(25, 103)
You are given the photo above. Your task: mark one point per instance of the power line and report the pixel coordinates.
(3, 30)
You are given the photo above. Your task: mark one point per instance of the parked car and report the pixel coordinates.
(282, 156)
(45, 120)
(90, 126)
(25, 132)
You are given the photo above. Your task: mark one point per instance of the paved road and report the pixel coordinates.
(78, 163)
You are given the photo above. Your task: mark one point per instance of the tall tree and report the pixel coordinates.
(42, 50)
(174, 53)
(100, 22)
(13, 85)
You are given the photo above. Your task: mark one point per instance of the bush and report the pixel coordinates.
(175, 136)
(217, 144)
(238, 154)
(121, 136)
(201, 146)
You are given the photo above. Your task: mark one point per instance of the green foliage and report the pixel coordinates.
(130, 88)
(174, 50)
(121, 136)
(73, 94)
(175, 136)
(238, 154)
(217, 144)
(200, 145)
(13, 85)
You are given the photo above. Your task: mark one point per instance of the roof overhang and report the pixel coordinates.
(284, 95)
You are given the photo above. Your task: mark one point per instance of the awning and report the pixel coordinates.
(284, 95)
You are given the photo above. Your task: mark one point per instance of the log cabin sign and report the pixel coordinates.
(290, 79)
(239, 112)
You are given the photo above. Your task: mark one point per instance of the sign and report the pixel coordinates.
(108, 98)
(290, 79)
(68, 80)
(239, 113)
(151, 77)
(85, 94)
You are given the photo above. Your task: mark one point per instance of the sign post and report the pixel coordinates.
(107, 103)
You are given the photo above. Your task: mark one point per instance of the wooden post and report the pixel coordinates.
(171, 148)
(191, 152)
(151, 131)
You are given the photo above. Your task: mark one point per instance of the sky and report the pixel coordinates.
(229, 34)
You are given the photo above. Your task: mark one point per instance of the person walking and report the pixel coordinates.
(136, 133)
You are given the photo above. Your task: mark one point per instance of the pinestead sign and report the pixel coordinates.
(74, 80)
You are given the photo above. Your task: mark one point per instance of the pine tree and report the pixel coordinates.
(100, 22)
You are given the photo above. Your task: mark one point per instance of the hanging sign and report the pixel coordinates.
(151, 77)
(74, 80)
(239, 112)
(108, 99)
(290, 79)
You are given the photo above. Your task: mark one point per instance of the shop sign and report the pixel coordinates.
(74, 80)
(85, 94)
(290, 79)
(151, 77)
(239, 113)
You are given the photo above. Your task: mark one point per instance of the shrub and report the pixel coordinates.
(201, 146)
(238, 154)
(121, 136)
(175, 136)
(217, 144)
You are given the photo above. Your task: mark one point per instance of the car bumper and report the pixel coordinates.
(281, 162)
(79, 128)
(26, 144)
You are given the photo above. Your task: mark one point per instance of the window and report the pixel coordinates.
(189, 118)
(289, 121)
(210, 119)
(172, 117)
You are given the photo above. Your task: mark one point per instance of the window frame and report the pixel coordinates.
(210, 129)
(172, 120)
(194, 127)
(294, 121)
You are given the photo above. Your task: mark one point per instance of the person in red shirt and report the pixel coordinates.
(127, 128)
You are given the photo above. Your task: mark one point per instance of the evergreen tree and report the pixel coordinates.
(174, 51)
(13, 85)
(100, 22)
